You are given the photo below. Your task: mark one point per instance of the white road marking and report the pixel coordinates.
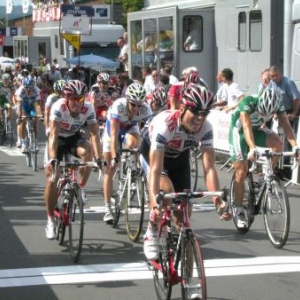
(11, 151)
(137, 271)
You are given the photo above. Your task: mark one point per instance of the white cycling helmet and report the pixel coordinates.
(135, 93)
(269, 101)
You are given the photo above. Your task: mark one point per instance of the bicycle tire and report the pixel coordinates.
(134, 206)
(60, 214)
(192, 271)
(248, 202)
(28, 158)
(116, 201)
(194, 169)
(162, 284)
(276, 213)
(76, 225)
(33, 149)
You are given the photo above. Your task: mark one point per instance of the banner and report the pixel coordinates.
(9, 6)
(25, 5)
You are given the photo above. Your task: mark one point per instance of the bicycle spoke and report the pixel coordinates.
(193, 280)
(76, 225)
(276, 214)
(134, 208)
(163, 287)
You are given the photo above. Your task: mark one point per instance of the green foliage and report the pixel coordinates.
(128, 5)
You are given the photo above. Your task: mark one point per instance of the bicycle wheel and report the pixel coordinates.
(60, 214)
(76, 224)
(162, 284)
(33, 150)
(276, 213)
(248, 202)
(134, 206)
(28, 158)
(192, 272)
(116, 200)
(194, 169)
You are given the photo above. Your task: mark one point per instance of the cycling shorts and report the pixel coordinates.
(28, 109)
(238, 146)
(177, 169)
(69, 145)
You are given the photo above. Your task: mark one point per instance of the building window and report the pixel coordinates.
(192, 33)
(255, 30)
(242, 32)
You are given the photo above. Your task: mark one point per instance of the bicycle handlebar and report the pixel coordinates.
(187, 195)
(269, 154)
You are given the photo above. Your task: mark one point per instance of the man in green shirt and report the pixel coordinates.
(247, 131)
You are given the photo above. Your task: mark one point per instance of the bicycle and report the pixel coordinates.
(129, 189)
(32, 149)
(69, 209)
(180, 259)
(5, 128)
(267, 197)
(195, 152)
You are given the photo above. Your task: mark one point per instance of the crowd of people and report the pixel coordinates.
(162, 116)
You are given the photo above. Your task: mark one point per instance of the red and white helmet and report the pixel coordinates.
(103, 77)
(75, 88)
(197, 97)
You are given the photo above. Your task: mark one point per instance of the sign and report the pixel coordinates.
(76, 19)
(73, 39)
(13, 31)
(1, 40)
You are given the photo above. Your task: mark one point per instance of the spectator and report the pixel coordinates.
(265, 80)
(54, 74)
(221, 94)
(56, 64)
(123, 56)
(168, 71)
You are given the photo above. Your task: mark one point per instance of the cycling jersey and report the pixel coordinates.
(28, 99)
(119, 112)
(51, 99)
(249, 105)
(103, 98)
(165, 133)
(7, 91)
(68, 125)
(237, 143)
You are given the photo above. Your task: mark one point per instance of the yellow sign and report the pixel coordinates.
(73, 39)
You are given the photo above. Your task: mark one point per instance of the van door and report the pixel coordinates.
(197, 42)
(39, 47)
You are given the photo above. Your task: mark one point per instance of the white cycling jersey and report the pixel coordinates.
(119, 112)
(51, 99)
(164, 133)
(30, 97)
(103, 98)
(69, 125)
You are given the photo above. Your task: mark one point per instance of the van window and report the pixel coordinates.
(192, 33)
(242, 32)
(255, 30)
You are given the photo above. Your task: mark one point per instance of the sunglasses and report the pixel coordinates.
(103, 82)
(78, 99)
(199, 113)
(135, 105)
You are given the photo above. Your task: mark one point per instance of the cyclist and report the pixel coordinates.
(246, 132)
(165, 156)
(51, 99)
(27, 97)
(7, 91)
(158, 100)
(67, 116)
(122, 126)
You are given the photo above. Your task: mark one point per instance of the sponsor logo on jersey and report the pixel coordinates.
(175, 144)
(208, 136)
(75, 127)
(64, 107)
(91, 117)
(64, 125)
(172, 121)
(84, 110)
(57, 114)
(160, 139)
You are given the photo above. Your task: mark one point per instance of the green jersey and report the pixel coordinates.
(249, 105)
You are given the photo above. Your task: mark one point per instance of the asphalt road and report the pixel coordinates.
(238, 267)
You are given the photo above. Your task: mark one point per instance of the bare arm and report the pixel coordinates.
(156, 167)
(53, 139)
(114, 134)
(247, 128)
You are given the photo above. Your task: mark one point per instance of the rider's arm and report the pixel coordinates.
(94, 132)
(114, 133)
(94, 100)
(53, 139)
(287, 129)
(247, 129)
(156, 158)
